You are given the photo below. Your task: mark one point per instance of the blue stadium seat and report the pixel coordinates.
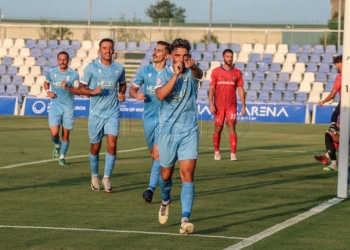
(218, 56)
(268, 86)
(251, 66)
(52, 62)
(292, 86)
(276, 97)
(204, 65)
(267, 58)
(132, 46)
(196, 55)
(36, 52)
(255, 85)
(288, 97)
(2, 88)
(148, 55)
(223, 46)
(7, 61)
(271, 76)
(205, 84)
(303, 57)
(47, 53)
(208, 56)
(144, 62)
(17, 80)
(301, 98)
(247, 76)
(311, 67)
(331, 49)
(143, 47)
(200, 47)
(64, 44)
(42, 44)
(263, 67)
(251, 96)
(71, 52)
(264, 95)
(329, 86)
(45, 69)
(283, 77)
(154, 44)
(30, 44)
(275, 67)
(53, 44)
(294, 48)
(280, 86)
(19, 97)
(2, 69)
(327, 58)
(12, 71)
(324, 68)
(254, 57)
(259, 76)
(41, 61)
(56, 51)
(318, 49)
(336, 98)
(5, 79)
(11, 89)
(212, 47)
(315, 58)
(332, 76)
(306, 49)
(236, 48)
(340, 50)
(76, 44)
(23, 90)
(240, 66)
(321, 77)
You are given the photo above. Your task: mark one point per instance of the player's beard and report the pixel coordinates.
(228, 63)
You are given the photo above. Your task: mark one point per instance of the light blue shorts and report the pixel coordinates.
(66, 119)
(151, 135)
(173, 147)
(99, 127)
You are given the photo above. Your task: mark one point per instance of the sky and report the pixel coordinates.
(197, 11)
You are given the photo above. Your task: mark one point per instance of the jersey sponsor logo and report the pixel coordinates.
(266, 111)
(67, 78)
(106, 84)
(117, 72)
(38, 107)
(57, 85)
(55, 75)
(226, 82)
(79, 108)
(150, 88)
(185, 78)
(159, 80)
(234, 78)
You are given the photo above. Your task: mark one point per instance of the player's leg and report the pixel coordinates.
(54, 123)
(231, 116)
(111, 130)
(67, 126)
(188, 153)
(335, 114)
(329, 141)
(167, 154)
(218, 126)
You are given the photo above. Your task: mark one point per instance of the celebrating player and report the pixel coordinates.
(147, 76)
(100, 81)
(225, 80)
(62, 104)
(176, 88)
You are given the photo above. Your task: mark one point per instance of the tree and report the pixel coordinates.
(132, 34)
(49, 33)
(166, 10)
(62, 33)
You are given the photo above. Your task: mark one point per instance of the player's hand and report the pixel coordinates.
(140, 97)
(333, 128)
(64, 85)
(121, 97)
(212, 109)
(178, 68)
(243, 112)
(51, 94)
(189, 62)
(96, 91)
(320, 104)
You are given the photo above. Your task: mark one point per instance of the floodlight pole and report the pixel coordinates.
(89, 19)
(344, 110)
(210, 20)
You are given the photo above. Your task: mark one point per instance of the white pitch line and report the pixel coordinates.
(71, 157)
(119, 231)
(257, 237)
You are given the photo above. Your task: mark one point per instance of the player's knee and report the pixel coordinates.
(166, 174)
(187, 177)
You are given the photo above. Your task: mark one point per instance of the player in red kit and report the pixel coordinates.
(225, 80)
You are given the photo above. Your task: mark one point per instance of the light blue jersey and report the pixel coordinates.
(105, 104)
(148, 76)
(64, 101)
(178, 111)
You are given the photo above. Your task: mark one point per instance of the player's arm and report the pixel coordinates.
(195, 70)
(212, 86)
(47, 87)
(135, 86)
(122, 86)
(84, 90)
(241, 96)
(328, 98)
(162, 91)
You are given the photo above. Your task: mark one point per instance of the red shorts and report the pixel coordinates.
(336, 145)
(230, 115)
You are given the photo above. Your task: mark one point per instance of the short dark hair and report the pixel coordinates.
(180, 43)
(167, 46)
(227, 50)
(63, 53)
(338, 59)
(106, 40)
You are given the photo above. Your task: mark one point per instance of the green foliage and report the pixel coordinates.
(166, 10)
(214, 39)
(131, 34)
(49, 33)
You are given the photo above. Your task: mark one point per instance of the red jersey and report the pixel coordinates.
(337, 85)
(225, 83)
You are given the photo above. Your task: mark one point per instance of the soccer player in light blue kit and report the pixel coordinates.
(177, 88)
(62, 104)
(147, 76)
(104, 81)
